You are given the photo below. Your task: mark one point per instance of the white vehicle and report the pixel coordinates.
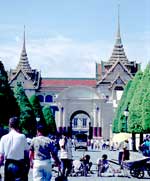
(81, 141)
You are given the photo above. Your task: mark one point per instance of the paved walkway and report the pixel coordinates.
(95, 154)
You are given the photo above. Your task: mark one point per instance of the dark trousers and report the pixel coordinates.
(66, 166)
(14, 170)
(120, 157)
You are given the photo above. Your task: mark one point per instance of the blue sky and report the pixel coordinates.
(64, 38)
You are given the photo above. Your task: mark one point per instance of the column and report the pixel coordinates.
(94, 122)
(99, 129)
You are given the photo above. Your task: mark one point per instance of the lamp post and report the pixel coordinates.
(126, 114)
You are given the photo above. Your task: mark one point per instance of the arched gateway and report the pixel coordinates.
(79, 110)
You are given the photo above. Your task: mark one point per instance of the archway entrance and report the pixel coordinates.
(81, 110)
(80, 122)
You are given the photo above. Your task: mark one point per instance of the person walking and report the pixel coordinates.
(66, 154)
(12, 150)
(120, 154)
(126, 152)
(41, 149)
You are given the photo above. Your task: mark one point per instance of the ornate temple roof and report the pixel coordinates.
(23, 62)
(118, 50)
(24, 68)
(108, 75)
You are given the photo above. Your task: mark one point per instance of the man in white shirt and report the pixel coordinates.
(12, 149)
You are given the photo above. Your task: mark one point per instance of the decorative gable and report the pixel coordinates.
(118, 81)
(117, 69)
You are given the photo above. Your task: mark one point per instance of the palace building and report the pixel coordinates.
(80, 104)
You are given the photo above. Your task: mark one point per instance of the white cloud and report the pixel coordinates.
(63, 57)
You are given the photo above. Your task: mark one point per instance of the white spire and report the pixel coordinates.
(118, 37)
(24, 42)
(118, 50)
(23, 63)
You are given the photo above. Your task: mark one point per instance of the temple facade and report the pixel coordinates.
(80, 104)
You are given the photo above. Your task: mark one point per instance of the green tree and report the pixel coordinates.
(135, 109)
(9, 106)
(49, 119)
(120, 120)
(131, 100)
(27, 117)
(146, 112)
(133, 87)
(35, 103)
(146, 101)
(119, 124)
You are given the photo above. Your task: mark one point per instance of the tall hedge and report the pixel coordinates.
(8, 104)
(49, 119)
(119, 124)
(37, 108)
(146, 101)
(27, 117)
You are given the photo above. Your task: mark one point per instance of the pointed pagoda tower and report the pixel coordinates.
(23, 62)
(24, 74)
(118, 56)
(112, 76)
(118, 50)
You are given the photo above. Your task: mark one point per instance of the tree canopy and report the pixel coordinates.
(9, 106)
(37, 108)
(49, 119)
(136, 97)
(146, 101)
(27, 117)
(119, 123)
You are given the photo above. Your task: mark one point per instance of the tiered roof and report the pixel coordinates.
(24, 68)
(118, 50)
(24, 63)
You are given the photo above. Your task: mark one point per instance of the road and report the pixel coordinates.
(95, 154)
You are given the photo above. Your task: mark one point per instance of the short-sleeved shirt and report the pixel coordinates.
(42, 147)
(13, 145)
(66, 151)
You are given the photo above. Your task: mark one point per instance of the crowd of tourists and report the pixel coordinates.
(19, 154)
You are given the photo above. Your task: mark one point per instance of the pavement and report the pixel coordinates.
(95, 154)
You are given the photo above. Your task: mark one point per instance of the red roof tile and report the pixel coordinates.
(68, 82)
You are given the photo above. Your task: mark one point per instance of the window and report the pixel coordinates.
(75, 122)
(48, 98)
(84, 122)
(41, 98)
